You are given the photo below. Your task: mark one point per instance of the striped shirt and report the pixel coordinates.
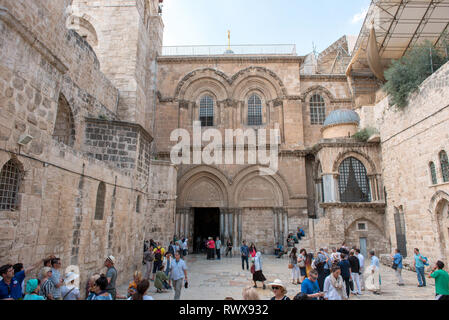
(46, 288)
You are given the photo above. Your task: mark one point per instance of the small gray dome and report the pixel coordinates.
(341, 117)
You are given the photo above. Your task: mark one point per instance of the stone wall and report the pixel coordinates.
(129, 37)
(118, 143)
(411, 139)
(41, 64)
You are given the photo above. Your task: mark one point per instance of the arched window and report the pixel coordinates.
(64, 126)
(207, 111)
(353, 181)
(85, 29)
(444, 166)
(317, 110)
(433, 173)
(138, 204)
(254, 110)
(10, 178)
(99, 207)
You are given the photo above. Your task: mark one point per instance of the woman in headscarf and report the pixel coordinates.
(334, 286)
(258, 275)
(32, 290)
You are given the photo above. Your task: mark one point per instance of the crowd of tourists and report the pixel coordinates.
(164, 267)
(333, 274)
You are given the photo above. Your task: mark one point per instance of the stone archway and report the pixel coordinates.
(442, 221)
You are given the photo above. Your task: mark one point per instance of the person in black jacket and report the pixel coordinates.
(345, 271)
(355, 272)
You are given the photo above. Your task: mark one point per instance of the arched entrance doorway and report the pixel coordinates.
(202, 195)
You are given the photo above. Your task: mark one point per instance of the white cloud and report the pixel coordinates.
(359, 16)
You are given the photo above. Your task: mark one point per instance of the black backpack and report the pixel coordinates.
(158, 255)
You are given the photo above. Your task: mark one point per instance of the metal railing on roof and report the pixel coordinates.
(248, 49)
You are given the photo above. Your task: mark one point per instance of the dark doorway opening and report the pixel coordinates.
(206, 224)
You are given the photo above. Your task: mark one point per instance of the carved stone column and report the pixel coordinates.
(222, 224)
(238, 239)
(285, 215)
(276, 225)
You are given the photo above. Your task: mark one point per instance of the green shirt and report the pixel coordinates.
(441, 282)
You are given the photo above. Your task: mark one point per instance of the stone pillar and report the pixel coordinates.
(235, 238)
(176, 222)
(285, 215)
(187, 223)
(276, 225)
(226, 224)
(330, 190)
(240, 228)
(380, 187)
(222, 224)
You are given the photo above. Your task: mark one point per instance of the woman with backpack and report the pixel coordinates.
(159, 252)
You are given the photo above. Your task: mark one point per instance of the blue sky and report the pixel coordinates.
(300, 22)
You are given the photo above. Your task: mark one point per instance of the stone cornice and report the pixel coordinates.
(231, 58)
(341, 143)
(373, 205)
(29, 37)
(324, 77)
(141, 129)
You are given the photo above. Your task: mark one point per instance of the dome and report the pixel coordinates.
(343, 116)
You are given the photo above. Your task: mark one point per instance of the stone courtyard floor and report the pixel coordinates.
(215, 280)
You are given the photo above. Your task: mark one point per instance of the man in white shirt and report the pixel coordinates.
(362, 268)
(184, 247)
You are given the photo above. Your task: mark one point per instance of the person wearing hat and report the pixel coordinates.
(69, 291)
(32, 290)
(111, 275)
(279, 290)
(47, 287)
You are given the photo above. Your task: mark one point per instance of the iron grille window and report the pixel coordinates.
(101, 195)
(433, 173)
(353, 181)
(444, 166)
(254, 111)
(317, 110)
(10, 177)
(207, 111)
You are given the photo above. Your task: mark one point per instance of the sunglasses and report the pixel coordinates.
(276, 288)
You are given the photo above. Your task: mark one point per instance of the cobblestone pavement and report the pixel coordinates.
(215, 280)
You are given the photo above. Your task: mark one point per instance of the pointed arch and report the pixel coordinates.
(100, 202)
(353, 181)
(64, 130)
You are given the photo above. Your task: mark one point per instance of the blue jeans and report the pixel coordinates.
(421, 276)
(243, 265)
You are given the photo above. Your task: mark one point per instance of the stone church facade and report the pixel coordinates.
(85, 125)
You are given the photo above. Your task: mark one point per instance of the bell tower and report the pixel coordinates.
(126, 37)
